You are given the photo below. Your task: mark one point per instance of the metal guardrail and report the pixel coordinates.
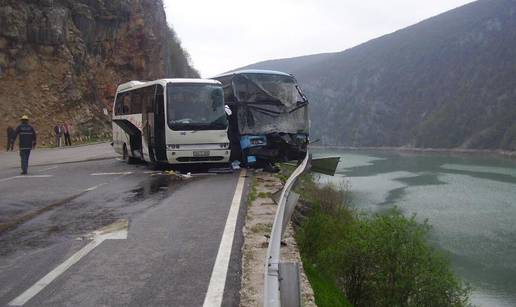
(281, 285)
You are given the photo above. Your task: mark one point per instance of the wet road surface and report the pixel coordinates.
(174, 233)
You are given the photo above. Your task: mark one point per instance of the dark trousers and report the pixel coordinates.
(24, 156)
(68, 142)
(10, 144)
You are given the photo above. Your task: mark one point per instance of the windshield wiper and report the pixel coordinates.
(301, 93)
(221, 121)
(300, 104)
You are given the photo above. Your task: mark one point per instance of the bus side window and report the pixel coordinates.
(148, 99)
(227, 87)
(136, 101)
(126, 105)
(119, 104)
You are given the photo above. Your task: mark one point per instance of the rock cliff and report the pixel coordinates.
(61, 60)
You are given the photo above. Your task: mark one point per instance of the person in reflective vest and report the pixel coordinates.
(27, 136)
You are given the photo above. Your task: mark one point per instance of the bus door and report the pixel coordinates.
(158, 142)
(148, 123)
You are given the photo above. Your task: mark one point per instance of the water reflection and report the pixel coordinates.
(149, 187)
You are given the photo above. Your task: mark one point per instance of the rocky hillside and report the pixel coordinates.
(61, 60)
(447, 82)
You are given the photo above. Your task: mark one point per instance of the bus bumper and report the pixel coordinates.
(198, 156)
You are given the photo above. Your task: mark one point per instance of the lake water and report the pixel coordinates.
(470, 202)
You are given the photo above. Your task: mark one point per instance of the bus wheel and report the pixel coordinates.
(125, 154)
(126, 157)
(156, 166)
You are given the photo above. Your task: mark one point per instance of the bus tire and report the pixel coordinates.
(126, 157)
(125, 154)
(156, 166)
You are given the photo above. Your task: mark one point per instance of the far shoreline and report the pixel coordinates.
(477, 152)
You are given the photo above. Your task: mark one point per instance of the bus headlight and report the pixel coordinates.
(224, 145)
(257, 141)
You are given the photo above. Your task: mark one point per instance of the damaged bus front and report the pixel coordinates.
(269, 117)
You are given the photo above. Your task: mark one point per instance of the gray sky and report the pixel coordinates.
(225, 34)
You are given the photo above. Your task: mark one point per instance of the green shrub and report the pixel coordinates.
(318, 233)
(379, 260)
(383, 260)
(327, 294)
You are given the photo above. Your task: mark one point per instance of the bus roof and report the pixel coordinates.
(254, 71)
(137, 84)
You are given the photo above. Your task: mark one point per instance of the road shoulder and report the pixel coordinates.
(258, 224)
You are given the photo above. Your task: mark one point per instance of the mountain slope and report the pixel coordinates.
(447, 82)
(61, 60)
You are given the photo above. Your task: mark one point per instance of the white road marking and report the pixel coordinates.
(111, 174)
(26, 176)
(220, 269)
(95, 187)
(115, 231)
(47, 169)
(7, 179)
(203, 174)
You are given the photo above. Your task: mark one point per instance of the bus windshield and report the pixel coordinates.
(195, 106)
(268, 89)
(269, 103)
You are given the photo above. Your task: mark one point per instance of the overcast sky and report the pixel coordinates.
(222, 35)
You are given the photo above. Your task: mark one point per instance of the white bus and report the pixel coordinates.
(171, 121)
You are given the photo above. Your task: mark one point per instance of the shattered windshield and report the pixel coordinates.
(269, 103)
(195, 106)
(271, 89)
(253, 120)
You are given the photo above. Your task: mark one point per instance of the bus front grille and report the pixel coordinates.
(200, 159)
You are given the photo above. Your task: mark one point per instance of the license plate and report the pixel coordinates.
(204, 153)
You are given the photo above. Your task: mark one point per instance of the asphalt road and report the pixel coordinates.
(174, 235)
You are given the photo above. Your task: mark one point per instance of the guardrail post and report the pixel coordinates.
(290, 289)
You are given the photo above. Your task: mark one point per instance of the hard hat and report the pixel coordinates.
(24, 117)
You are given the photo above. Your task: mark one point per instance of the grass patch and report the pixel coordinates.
(252, 191)
(326, 292)
(264, 195)
(285, 171)
(262, 228)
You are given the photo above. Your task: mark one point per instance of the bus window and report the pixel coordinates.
(148, 99)
(228, 89)
(119, 104)
(135, 106)
(126, 103)
(193, 106)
